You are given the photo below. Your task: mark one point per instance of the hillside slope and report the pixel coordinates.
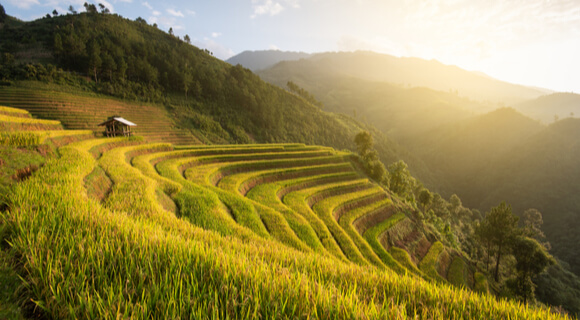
(223, 254)
(213, 100)
(87, 112)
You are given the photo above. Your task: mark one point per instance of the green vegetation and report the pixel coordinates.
(371, 236)
(429, 263)
(167, 259)
(456, 274)
(103, 228)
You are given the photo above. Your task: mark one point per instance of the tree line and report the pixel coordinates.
(494, 237)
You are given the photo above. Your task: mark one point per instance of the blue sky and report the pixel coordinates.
(531, 42)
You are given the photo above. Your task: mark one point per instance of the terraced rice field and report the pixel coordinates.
(85, 113)
(245, 231)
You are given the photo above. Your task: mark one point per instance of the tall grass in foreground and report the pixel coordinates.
(82, 260)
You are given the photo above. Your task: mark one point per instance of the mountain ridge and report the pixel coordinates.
(415, 72)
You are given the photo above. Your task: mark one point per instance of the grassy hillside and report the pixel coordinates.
(86, 112)
(485, 159)
(199, 229)
(255, 231)
(208, 99)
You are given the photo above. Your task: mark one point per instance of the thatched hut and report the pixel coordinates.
(117, 127)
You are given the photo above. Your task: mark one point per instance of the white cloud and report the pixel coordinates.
(147, 5)
(216, 34)
(190, 12)
(24, 4)
(293, 3)
(274, 47)
(175, 13)
(218, 50)
(156, 13)
(262, 7)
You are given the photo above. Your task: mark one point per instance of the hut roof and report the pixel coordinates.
(119, 119)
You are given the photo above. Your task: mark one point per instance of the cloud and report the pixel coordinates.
(274, 47)
(218, 50)
(156, 13)
(190, 12)
(262, 7)
(147, 5)
(175, 13)
(216, 34)
(24, 4)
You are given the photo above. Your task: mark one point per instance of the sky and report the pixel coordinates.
(530, 42)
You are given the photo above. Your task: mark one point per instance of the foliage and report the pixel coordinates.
(2, 14)
(425, 199)
(429, 262)
(401, 181)
(456, 274)
(372, 165)
(532, 259)
(304, 94)
(502, 229)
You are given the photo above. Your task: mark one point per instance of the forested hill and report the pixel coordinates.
(216, 101)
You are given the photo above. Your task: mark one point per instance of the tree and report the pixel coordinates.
(425, 198)
(91, 8)
(72, 10)
(170, 31)
(364, 142)
(54, 13)
(483, 233)
(503, 226)
(187, 39)
(104, 9)
(2, 14)
(455, 203)
(531, 259)
(370, 157)
(401, 181)
(95, 60)
(532, 219)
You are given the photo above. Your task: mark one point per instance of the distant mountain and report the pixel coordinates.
(405, 72)
(550, 107)
(258, 60)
